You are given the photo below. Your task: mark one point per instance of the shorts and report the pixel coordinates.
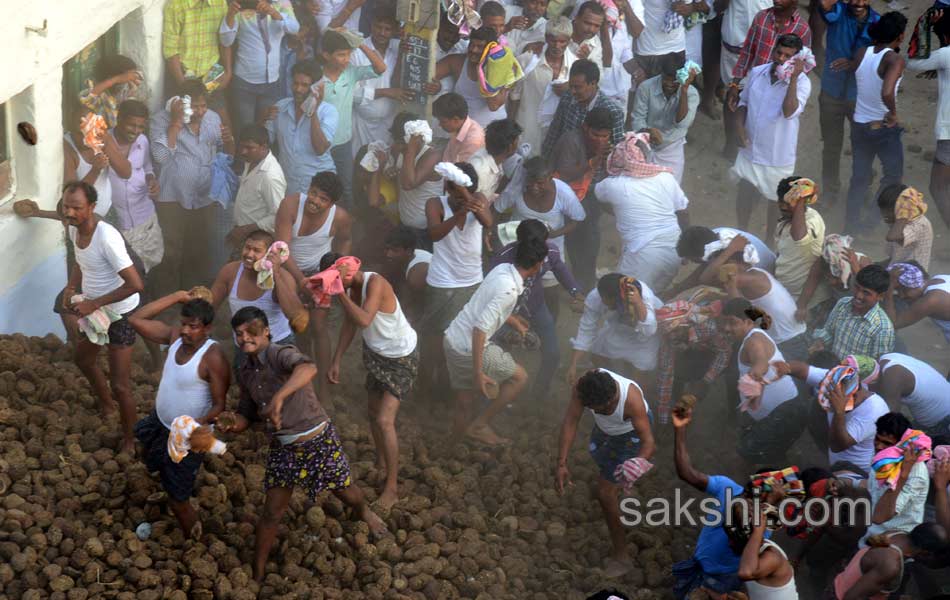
(315, 465)
(942, 153)
(178, 479)
(496, 363)
(393, 375)
(609, 451)
(442, 305)
(121, 333)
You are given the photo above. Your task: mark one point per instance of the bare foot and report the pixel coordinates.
(710, 111)
(376, 525)
(617, 567)
(486, 435)
(387, 499)
(127, 447)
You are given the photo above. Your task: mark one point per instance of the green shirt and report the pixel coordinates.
(191, 31)
(339, 93)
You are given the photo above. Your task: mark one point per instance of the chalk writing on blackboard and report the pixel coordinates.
(415, 68)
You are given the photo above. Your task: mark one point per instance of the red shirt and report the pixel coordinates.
(760, 41)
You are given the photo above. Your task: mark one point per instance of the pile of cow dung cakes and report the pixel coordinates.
(471, 522)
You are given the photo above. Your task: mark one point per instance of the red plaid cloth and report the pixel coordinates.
(759, 42)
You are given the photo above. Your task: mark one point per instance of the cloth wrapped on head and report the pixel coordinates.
(844, 376)
(328, 283)
(454, 174)
(417, 127)
(867, 368)
(910, 205)
(833, 251)
(750, 255)
(910, 275)
(887, 463)
(805, 55)
(802, 190)
(628, 158)
(497, 69)
(788, 480)
(277, 254)
(370, 162)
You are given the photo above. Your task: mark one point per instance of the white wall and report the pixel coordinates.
(31, 86)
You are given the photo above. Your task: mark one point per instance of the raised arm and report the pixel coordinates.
(152, 329)
(438, 228)
(684, 467)
(283, 231)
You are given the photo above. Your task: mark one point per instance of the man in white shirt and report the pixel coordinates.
(475, 364)
(543, 83)
(501, 142)
(655, 42)
(103, 278)
(591, 36)
(900, 508)
(262, 186)
(526, 25)
(939, 60)
(376, 100)
(649, 207)
(767, 128)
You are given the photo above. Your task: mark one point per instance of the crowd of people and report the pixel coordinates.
(291, 173)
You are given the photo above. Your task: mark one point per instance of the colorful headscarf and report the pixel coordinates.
(802, 189)
(847, 378)
(277, 254)
(887, 462)
(910, 205)
(867, 368)
(784, 70)
(921, 39)
(627, 158)
(328, 283)
(613, 13)
(833, 251)
(497, 69)
(787, 480)
(911, 276)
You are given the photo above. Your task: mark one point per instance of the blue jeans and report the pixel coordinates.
(542, 322)
(583, 244)
(251, 100)
(343, 159)
(866, 144)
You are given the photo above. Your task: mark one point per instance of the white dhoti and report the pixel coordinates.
(673, 155)
(764, 178)
(656, 264)
(727, 62)
(146, 241)
(617, 341)
(694, 44)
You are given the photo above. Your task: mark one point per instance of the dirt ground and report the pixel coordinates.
(473, 523)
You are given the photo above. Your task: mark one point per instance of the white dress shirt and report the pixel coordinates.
(259, 195)
(773, 136)
(940, 61)
(489, 308)
(654, 41)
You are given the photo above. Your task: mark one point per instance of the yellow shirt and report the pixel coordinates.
(795, 258)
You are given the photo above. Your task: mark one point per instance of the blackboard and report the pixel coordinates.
(415, 70)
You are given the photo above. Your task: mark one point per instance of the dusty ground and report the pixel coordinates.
(473, 523)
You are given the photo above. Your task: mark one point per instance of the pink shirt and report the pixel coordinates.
(469, 139)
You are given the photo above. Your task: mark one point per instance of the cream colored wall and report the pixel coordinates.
(31, 87)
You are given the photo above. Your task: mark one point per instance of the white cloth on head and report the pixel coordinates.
(608, 333)
(766, 256)
(457, 257)
(100, 263)
(370, 162)
(418, 127)
(773, 137)
(454, 174)
(750, 255)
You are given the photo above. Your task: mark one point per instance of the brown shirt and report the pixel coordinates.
(262, 375)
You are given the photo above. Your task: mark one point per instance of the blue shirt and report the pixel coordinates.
(846, 35)
(712, 548)
(296, 155)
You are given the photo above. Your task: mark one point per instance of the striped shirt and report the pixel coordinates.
(871, 334)
(190, 31)
(185, 175)
(570, 115)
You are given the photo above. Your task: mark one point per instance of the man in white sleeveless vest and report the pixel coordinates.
(194, 382)
(390, 357)
(622, 431)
